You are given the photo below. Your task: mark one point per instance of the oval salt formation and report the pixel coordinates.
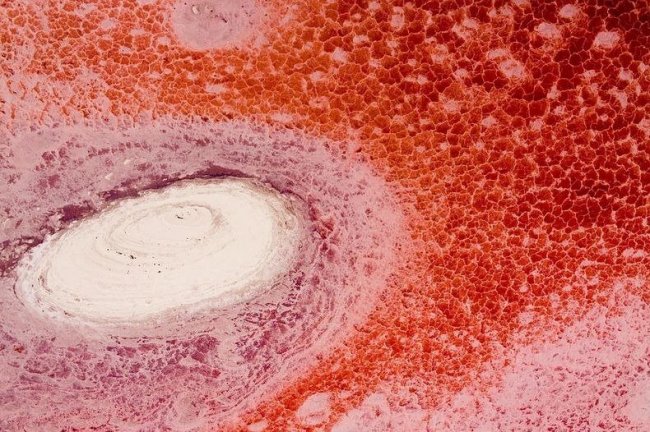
(192, 244)
(338, 232)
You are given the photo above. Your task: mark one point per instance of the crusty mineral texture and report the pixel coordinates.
(457, 194)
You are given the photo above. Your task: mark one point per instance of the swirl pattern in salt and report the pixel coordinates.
(190, 244)
(202, 364)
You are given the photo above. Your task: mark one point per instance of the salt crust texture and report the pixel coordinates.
(189, 245)
(533, 384)
(216, 24)
(515, 132)
(189, 369)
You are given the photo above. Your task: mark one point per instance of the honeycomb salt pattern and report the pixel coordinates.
(516, 134)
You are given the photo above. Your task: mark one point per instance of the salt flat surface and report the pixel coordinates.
(197, 241)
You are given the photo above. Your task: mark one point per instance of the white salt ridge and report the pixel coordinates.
(197, 242)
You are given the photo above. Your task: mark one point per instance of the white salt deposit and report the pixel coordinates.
(193, 243)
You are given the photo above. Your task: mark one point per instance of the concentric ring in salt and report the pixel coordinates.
(196, 367)
(183, 245)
